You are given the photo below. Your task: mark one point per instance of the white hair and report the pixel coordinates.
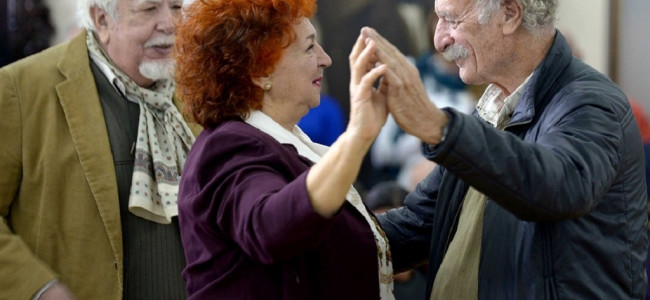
(539, 15)
(83, 11)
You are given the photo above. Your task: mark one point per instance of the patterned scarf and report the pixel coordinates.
(162, 144)
(314, 151)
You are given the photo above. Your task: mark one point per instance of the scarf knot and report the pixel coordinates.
(162, 143)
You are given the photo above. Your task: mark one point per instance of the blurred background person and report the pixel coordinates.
(25, 29)
(340, 21)
(266, 213)
(325, 122)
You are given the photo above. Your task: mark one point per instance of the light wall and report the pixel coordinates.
(586, 22)
(634, 43)
(63, 17)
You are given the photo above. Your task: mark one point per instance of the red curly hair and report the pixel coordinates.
(221, 45)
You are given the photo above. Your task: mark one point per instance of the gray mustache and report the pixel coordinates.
(166, 40)
(455, 52)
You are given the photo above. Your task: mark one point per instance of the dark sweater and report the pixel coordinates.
(153, 253)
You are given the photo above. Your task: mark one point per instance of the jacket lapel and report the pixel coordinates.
(83, 112)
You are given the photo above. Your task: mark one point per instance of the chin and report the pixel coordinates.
(159, 69)
(466, 79)
(469, 78)
(315, 101)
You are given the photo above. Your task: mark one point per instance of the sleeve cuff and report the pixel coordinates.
(428, 148)
(40, 292)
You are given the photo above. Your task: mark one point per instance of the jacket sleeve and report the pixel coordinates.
(22, 274)
(260, 196)
(559, 169)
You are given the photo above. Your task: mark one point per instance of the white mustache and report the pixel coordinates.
(161, 40)
(455, 52)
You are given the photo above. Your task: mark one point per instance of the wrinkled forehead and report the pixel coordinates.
(449, 8)
(141, 2)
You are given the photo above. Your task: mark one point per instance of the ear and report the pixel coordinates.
(514, 13)
(261, 82)
(102, 22)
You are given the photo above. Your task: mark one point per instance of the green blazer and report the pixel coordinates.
(58, 193)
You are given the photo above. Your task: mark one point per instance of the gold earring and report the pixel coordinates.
(267, 86)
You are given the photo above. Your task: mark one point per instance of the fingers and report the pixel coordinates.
(363, 62)
(368, 79)
(390, 84)
(381, 41)
(386, 52)
(359, 45)
(403, 73)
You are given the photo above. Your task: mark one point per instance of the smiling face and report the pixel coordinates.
(140, 39)
(297, 78)
(477, 49)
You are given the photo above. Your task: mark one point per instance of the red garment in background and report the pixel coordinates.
(644, 126)
(641, 119)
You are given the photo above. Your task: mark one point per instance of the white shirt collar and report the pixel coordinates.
(112, 78)
(305, 146)
(496, 111)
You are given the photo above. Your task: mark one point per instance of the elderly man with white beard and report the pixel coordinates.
(92, 151)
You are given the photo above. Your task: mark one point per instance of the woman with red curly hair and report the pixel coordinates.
(264, 212)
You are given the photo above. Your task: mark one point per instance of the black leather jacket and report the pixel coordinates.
(566, 211)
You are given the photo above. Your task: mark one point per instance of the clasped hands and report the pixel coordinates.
(399, 91)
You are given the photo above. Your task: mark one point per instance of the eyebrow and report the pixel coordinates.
(311, 37)
(444, 14)
(148, 1)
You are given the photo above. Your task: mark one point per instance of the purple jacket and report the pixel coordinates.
(250, 232)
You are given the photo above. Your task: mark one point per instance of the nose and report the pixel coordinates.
(324, 60)
(442, 38)
(167, 19)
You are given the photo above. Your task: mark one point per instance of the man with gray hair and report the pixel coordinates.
(92, 151)
(540, 194)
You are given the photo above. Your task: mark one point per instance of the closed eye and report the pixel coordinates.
(452, 22)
